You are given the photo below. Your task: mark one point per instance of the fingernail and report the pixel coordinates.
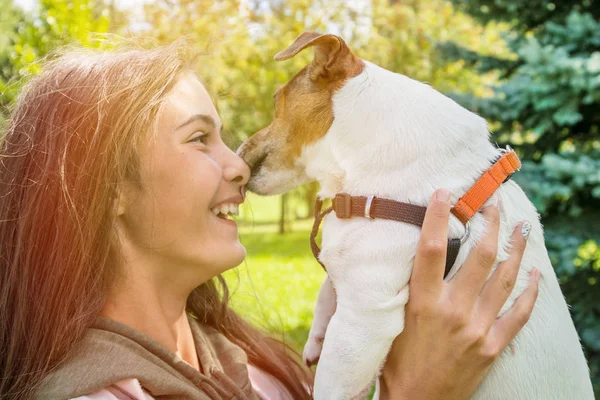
(535, 275)
(526, 229)
(443, 195)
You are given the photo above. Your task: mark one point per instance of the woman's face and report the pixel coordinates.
(187, 176)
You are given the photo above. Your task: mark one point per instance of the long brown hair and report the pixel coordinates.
(71, 139)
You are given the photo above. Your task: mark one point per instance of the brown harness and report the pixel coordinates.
(346, 206)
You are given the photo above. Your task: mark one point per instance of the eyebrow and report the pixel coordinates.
(199, 117)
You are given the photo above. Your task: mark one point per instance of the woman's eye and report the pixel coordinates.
(200, 138)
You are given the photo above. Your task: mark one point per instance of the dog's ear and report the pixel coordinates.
(332, 54)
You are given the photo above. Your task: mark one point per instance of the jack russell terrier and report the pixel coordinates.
(361, 130)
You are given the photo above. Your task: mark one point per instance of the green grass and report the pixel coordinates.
(276, 288)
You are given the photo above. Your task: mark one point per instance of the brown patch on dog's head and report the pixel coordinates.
(303, 113)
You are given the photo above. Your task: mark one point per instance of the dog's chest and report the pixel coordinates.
(358, 249)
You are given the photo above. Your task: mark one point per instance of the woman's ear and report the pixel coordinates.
(122, 199)
(120, 205)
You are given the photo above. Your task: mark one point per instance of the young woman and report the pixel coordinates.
(111, 170)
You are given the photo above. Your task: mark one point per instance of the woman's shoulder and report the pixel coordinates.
(128, 389)
(111, 353)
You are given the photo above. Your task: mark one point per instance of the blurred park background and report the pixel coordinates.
(532, 68)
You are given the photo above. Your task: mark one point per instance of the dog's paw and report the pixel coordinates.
(312, 351)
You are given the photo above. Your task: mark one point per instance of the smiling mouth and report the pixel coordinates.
(224, 211)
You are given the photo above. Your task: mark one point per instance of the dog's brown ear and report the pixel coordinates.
(324, 43)
(332, 54)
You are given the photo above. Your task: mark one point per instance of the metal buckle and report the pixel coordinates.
(368, 206)
(464, 237)
(343, 206)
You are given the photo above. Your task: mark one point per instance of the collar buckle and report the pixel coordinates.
(368, 205)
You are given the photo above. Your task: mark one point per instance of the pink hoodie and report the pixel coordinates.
(263, 384)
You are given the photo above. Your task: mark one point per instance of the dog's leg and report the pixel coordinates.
(324, 309)
(359, 337)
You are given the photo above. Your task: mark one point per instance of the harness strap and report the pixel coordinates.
(315, 229)
(346, 206)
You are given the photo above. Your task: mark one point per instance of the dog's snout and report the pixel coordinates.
(257, 164)
(242, 151)
(252, 155)
(253, 150)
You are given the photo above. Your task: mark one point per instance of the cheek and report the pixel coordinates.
(178, 192)
(190, 177)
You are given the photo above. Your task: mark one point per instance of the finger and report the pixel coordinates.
(469, 280)
(497, 289)
(506, 327)
(428, 271)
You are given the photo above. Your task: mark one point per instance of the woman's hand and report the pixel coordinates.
(451, 334)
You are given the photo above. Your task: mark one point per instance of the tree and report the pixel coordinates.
(57, 23)
(28, 38)
(547, 108)
(9, 22)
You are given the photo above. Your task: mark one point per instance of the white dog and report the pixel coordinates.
(360, 129)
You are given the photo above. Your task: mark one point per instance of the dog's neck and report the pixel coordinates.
(397, 138)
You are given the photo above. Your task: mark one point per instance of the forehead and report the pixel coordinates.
(187, 98)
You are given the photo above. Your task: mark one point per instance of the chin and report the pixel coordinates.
(233, 258)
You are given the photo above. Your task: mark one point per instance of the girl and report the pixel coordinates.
(112, 171)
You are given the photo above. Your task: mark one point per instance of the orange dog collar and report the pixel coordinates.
(506, 165)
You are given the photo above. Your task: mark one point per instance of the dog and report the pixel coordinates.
(359, 129)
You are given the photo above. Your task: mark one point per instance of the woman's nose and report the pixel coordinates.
(236, 169)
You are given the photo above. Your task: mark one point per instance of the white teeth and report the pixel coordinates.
(226, 209)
